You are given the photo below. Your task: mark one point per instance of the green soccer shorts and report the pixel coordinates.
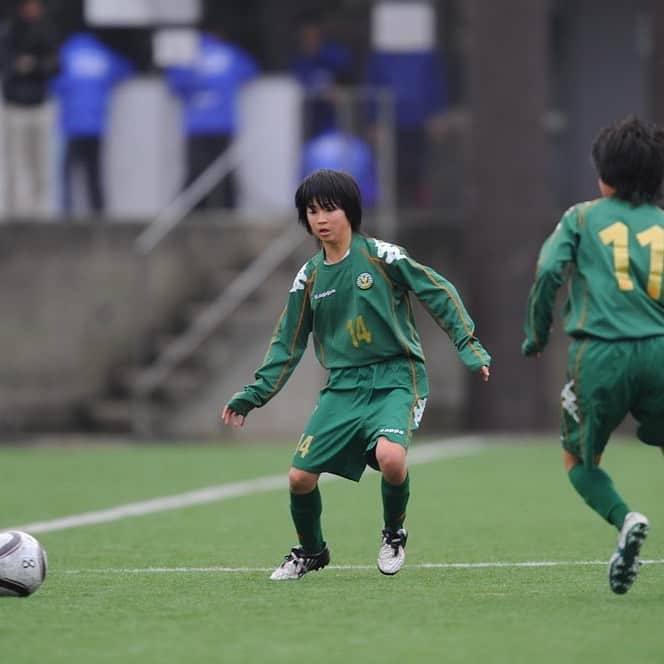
(341, 435)
(606, 380)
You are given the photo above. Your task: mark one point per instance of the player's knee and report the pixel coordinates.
(570, 460)
(300, 481)
(391, 458)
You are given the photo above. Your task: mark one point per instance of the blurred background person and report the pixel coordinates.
(341, 151)
(89, 70)
(320, 64)
(208, 90)
(410, 66)
(30, 60)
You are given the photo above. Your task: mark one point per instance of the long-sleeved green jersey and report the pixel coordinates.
(616, 255)
(359, 312)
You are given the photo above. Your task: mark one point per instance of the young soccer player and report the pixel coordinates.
(614, 247)
(354, 298)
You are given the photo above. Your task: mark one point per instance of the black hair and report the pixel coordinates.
(331, 190)
(629, 156)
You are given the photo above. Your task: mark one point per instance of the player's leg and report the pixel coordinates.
(596, 488)
(392, 417)
(395, 492)
(594, 402)
(395, 484)
(648, 403)
(306, 508)
(323, 447)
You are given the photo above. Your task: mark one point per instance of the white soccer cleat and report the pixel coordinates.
(624, 564)
(392, 554)
(297, 563)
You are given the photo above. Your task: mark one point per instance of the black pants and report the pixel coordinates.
(202, 150)
(412, 164)
(83, 153)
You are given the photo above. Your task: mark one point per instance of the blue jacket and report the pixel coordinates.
(316, 73)
(208, 89)
(88, 71)
(417, 81)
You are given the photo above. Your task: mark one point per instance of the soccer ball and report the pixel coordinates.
(22, 564)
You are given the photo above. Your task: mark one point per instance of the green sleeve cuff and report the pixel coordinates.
(530, 348)
(242, 403)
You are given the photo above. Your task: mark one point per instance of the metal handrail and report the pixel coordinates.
(244, 285)
(176, 211)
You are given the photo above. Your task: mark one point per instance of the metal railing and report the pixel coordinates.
(187, 200)
(211, 318)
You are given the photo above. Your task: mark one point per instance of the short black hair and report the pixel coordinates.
(629, 156)
(330, 189)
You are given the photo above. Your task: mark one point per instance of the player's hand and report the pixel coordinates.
(530, 349)
(230, 417)
(484, 372)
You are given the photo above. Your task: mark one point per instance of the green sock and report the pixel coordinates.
(306, 509)
(596, 488)
(395, 499)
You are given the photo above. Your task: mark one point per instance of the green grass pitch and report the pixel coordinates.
(137, 589)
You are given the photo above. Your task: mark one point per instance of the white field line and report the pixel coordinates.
(453, 447)
(249, 570)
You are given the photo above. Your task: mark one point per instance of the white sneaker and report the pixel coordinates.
(297, 563)
(624, 564)
(392, 554)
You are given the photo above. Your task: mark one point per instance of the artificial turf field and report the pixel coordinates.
(161, 588)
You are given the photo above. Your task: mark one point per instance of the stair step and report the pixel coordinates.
(182, 383)
(111, 414)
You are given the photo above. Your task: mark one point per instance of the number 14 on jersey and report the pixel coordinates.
(358, 331)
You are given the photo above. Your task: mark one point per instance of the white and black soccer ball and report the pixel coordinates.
(23, 564)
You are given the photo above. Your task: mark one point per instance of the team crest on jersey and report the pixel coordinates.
(365, 281)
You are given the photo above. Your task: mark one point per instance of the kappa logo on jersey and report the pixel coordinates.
(300, 280)
(568, 400)
(389, 252)
(365, 281)
(418, 412)
(401, 432)
(327, 293)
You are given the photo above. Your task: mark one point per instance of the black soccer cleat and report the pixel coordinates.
(297, 563)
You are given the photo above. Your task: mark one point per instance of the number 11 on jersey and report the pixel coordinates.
(618, 235)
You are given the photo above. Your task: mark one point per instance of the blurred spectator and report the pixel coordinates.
(339, 151)
(30, 59)
(208, 90)
(319, 65)
(89, 71)
(419, 89)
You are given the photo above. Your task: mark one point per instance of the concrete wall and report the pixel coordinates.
(76, 302)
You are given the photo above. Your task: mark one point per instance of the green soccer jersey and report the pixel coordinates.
(615, 254)
(359, 312)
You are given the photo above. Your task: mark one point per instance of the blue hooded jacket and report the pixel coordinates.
(416, 80)
(88, 72)
(208, 88)
(343, 152)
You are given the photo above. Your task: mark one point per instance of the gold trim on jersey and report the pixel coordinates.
(305, 302)
(459, 309)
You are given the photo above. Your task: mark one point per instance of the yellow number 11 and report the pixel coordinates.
(618, 235)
